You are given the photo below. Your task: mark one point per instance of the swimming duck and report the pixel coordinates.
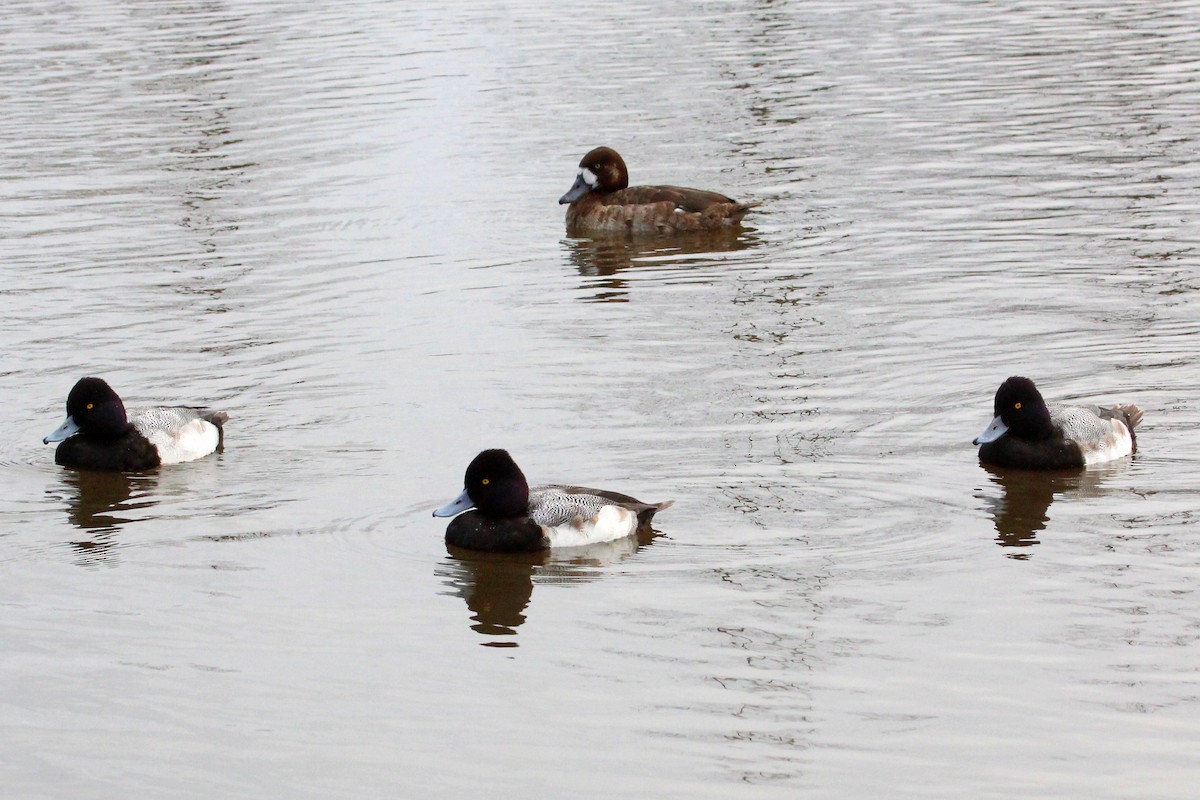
(1028, 434)
(97, 434)
(511, 517)
(601, 201)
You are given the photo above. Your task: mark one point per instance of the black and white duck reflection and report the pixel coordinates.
(498, 587)
(1021, 511)
(498, 512)
(99, 504)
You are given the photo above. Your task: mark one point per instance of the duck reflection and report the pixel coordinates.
(1023, 507)
(96, 503)
(600, 260)
(499, 586)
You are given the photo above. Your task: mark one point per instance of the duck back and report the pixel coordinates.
(681, 197)
(595, 499)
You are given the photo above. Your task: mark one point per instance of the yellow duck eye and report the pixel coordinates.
(89, 406)
(1017, 406)
(486, 481)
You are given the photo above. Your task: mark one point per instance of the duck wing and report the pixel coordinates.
(561, 504)
(681, 197)
(181, 433)
(1086, 425)
(167, 418)
(558, 505)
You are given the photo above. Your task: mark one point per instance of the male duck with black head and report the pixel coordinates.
(603, 202)
(97, 433)
(1026, 433)
(510, 517)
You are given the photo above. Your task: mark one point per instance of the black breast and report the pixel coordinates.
(129, 453)
(474, 531)
(1009, 451)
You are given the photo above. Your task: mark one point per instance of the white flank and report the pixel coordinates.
(186, 442)
(609, 523)
(1117, 444)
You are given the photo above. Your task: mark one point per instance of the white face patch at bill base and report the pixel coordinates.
(588, 176)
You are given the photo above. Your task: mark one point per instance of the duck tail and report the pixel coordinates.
(648, 510)
(740, 210)
(1132, 414)
(218, 419)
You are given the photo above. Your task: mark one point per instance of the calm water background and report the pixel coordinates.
(339, 224)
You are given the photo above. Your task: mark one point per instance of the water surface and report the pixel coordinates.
(339, 225)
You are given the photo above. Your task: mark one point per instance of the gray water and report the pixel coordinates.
(337, 222)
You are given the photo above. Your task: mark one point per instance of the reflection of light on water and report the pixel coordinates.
(498, 587)
(1023, 507)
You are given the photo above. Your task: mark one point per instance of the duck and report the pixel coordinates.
(98, 434)
(1028, 434)
(602, 201)
(511, 517)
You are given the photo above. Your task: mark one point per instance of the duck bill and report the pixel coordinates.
(577, 190)
(455, 506)
(995, 429)
(65, 431)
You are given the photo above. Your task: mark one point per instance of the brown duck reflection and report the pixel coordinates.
(1023, 507)
(96, 502)
(499, 586)
(600, 260)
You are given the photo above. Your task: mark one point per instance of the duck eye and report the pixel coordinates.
(486, 481)
(1017, 406)
(88, 406)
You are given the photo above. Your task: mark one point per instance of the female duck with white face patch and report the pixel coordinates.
(511, 517)
(1028, 434)
(97, 434)
(602, 202)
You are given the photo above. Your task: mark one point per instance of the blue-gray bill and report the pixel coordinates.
(577, 190)
(995, 429)
(455, 506)
(65, 431)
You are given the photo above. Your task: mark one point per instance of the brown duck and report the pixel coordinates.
(602, 201)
